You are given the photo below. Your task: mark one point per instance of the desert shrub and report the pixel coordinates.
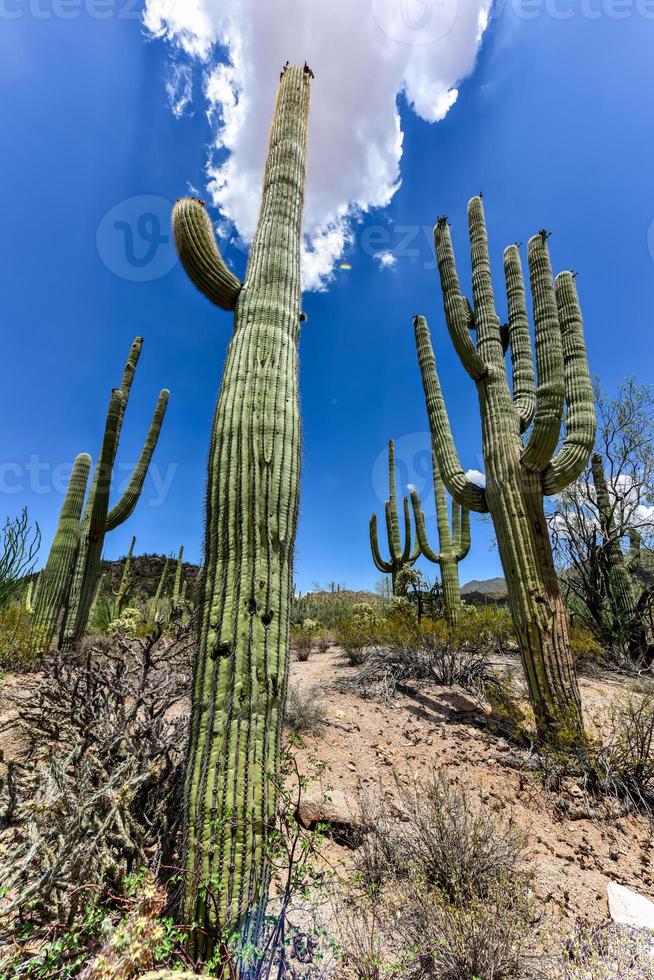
(19, 548)
(485, 937)
(94, 799)
(450, 873)
(15, 652)
(324, 641)
(621, 762)
(484, 628)
(433, 831)
(360, 938)
(305, 709)
(304, 637)
(608, 953)
(584, 644)
(417, 655)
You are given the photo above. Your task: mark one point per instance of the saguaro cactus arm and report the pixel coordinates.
(200, 256)
(125, 506)
(458, 313)
(522, 359)
(464, 537)
(581, 421)
(468, 494)
(421, 531)
(383, 566)
(105, 466)
(550, 393)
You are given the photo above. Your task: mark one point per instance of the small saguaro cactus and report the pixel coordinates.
(55, 579)
(241, 668)
(453, 544)
(155, 604)
(122, 592)
(179, 570)
(98, 519)
(400, 555)
(519, 475)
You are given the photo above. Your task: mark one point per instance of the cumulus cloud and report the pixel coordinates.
(386, 259)
(364, 53)
(476, 477)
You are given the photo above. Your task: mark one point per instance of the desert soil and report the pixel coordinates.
(573, 850)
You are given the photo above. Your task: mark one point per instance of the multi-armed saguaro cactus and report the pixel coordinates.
(399, 555)
(519, 475)
(252, 503)
(98, 520)
(453, 544)
(56, 577)
(120, 594)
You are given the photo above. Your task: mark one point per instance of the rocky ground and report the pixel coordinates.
(574, 849)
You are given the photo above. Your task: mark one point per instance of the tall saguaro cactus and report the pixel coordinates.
(55, 579)
(98, 519)
(453, 544)
(519, 475)
(241, 668)
(400, 555)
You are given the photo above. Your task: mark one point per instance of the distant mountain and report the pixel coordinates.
(487, 586)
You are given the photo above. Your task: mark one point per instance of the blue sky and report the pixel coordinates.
(554, 125)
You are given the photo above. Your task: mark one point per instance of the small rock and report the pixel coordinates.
(333, 807)
(628, 908)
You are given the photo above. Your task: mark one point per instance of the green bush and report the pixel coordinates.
(584, 644)
(15, 653)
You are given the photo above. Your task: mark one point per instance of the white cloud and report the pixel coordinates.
(364, 53)
(386, 259)
(179, 88)
(476, 477)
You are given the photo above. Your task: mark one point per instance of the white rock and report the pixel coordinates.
(628, 908)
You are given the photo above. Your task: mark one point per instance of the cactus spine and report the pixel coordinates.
(121, 593)
(98, 520)
(519, 475)
(241, 667)
(56, 577)
(399, 555)
(453, 544)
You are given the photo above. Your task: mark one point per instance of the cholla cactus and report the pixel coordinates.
(98, 520)
(252, 504)
(519, 475)
(453, 544)
(399, 555)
